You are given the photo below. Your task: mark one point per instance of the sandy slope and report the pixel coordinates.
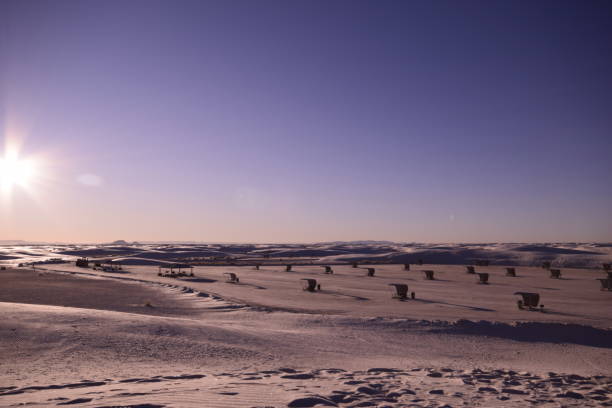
(454, 294)
(93, 342)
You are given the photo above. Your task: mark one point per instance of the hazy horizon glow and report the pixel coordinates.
(273, 121)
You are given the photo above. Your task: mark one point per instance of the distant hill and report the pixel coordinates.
(121, 242)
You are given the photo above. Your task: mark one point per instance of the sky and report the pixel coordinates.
(305, 121)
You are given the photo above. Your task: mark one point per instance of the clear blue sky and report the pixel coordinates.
(302, 121)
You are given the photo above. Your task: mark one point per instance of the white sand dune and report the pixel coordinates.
(576, 255)
(81, 337)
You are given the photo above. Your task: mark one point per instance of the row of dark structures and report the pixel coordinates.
(606, 283)
(401, 290)
(528, 301)
(167, 270)
(175, 270)
(106, 266)
(483, 277)
(179, 270)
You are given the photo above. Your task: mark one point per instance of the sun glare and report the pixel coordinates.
(15, 171)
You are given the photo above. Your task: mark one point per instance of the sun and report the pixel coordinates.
(15, 171)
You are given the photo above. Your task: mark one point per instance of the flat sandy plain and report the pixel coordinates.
(75, 336)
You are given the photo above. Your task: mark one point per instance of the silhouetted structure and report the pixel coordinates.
(230, 277)
(354, 264)
(257, 267)
(371, 271)
(483, 278)
(510, 272)
(529, 301)
(288, 268)
(310, 285)
(82, 263)
(470, 269)
(176, 270)
(555, 273)
(607, 267)
(429, 275)
(400, 291)
(606, 284)
(546, 265)
(406, 267)
(328, 269)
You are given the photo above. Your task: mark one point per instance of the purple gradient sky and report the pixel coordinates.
(309, 120)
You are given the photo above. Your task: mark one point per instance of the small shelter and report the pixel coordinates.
(429, 275)
(175, 270)
(82, 262)
(288, 268)
(511, 272)
(529, 301)
(555, 273)
(400, 291)
(328, 269)
(230, 277)
(606, 284)
(310, 285)
(371, 271)
(483, 278)
(470, 269)
(406, 267)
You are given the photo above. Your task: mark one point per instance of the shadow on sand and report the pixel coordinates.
(329, 292)
(252, 286)
(203, 280)
(477, 309)
(534, 332)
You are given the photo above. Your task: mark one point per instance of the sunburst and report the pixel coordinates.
(16, 171)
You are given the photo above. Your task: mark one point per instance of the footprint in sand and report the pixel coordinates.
(76, 401)
(298, 376)
(311, 402)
